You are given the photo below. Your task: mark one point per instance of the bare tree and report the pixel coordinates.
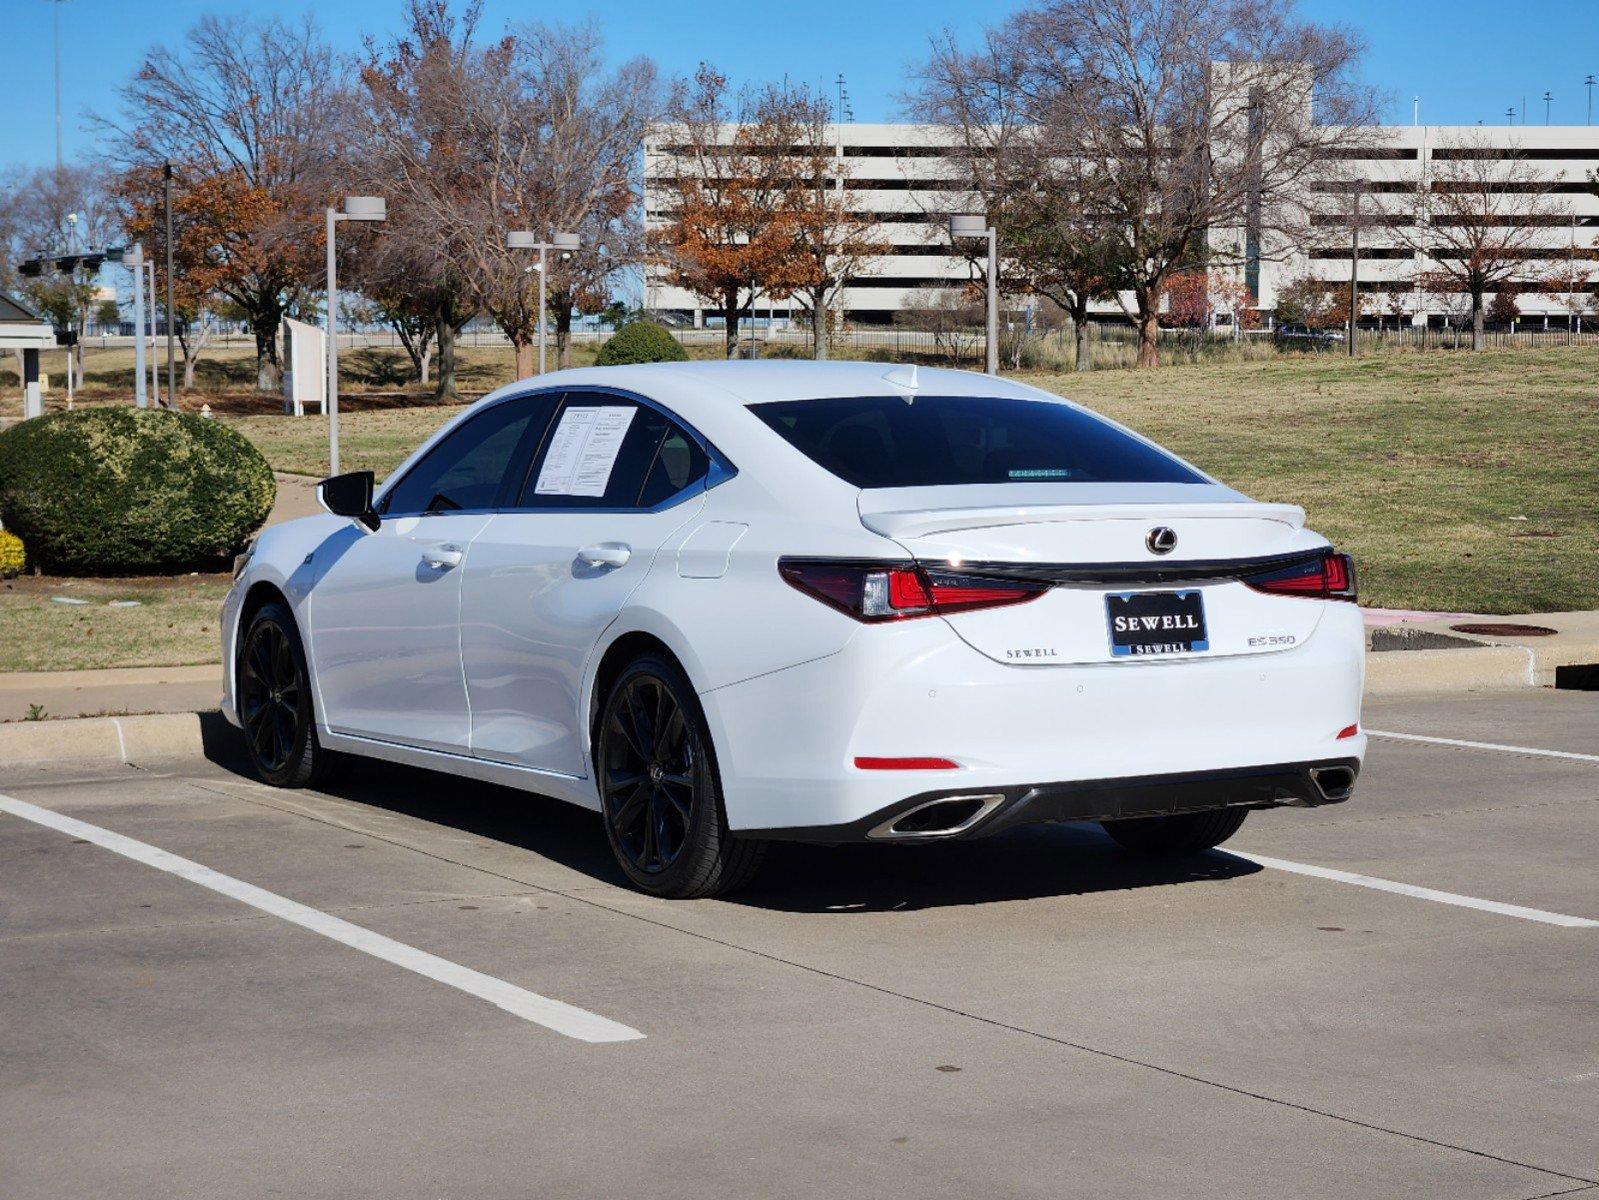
(244, 108)
(833, 238)
(411, 140)
(1053, 239)
(1487, 218)
(1207, 118)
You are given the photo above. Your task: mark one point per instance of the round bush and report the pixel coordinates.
(118, 491)
(13, 556)
(640, 342)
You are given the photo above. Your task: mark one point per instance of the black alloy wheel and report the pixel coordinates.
(275, 701)
(650, 770)
(659, 788)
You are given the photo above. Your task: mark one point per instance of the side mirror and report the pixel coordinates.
(349, 496)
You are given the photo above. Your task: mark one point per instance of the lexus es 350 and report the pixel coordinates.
(728, 603)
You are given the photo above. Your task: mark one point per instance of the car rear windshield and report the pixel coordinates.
(934, 441)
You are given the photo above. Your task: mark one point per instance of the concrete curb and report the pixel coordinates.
(101, 739)
(1415, 672)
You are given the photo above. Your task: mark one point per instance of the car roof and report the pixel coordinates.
(759, 382)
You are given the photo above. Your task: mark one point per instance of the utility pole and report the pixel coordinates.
(1511, 114)
(172, 369)
(55, 6)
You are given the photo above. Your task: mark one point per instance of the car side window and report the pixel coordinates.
(476, 466)
(604, 451)
(678, 463)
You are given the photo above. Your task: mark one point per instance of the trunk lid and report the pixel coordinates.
(1090, 541)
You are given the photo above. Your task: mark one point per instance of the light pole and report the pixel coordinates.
(172, 369)
(1588, 83)
(356, 208)
(969, 227)
(133, 259)
(55, 6)
(526, 239)
(1548, 99)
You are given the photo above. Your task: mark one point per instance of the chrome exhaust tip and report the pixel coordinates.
(1334, 783)
(941, 818)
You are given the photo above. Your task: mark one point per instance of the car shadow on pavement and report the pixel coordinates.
(1021, 864)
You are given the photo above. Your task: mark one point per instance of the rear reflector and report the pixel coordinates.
(1348, 731)
(1328, 577)
(882, 591)
(905, 764)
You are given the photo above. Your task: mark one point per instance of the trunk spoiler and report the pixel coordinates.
(922, 522)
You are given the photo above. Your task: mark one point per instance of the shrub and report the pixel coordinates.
(640, 342)
(12, 555)
(124, 490)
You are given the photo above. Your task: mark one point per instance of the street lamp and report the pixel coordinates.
(1588, 83)
(133, 259)
(1548, 99)
(970, 227)
(356, 208)
(526, 239)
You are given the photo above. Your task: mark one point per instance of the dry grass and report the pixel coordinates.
(1459, 481)
(174, 623)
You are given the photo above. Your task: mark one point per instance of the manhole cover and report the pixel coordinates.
(1505, 629)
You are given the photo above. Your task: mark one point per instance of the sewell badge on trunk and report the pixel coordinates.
(1144, 623)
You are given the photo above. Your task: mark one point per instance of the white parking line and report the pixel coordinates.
(557, 1015)
(1443, 741)
(1418, 893)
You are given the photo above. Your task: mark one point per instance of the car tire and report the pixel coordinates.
(660, 790)
(1180, 833)
(274, 702)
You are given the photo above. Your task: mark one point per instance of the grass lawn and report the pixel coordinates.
(174, 623)
(1458, 481)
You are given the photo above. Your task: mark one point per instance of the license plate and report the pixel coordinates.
(1144, 623)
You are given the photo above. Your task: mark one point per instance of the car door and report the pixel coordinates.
(385, 607)
(613, 480)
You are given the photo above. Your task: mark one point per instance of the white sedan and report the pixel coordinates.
(727, 603)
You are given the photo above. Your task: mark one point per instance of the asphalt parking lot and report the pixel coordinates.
(412, 986)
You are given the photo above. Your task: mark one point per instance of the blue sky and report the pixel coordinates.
(1468, 59)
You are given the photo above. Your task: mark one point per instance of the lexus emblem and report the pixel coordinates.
(1161, 540)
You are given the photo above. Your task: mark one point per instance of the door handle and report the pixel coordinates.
(606, 554)
(442, 558)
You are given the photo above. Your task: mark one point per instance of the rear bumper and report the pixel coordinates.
(1301, 785)
(786, 741)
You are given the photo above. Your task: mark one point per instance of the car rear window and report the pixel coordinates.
(934, 441)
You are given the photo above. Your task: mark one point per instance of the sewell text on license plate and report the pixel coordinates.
(1145, 623)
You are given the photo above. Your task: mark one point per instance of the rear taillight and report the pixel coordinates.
(1329, 577)
(873, 591)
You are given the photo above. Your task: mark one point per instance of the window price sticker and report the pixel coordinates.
(583, 450)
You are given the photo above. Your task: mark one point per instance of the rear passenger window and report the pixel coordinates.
(595, 455)
(678, 463)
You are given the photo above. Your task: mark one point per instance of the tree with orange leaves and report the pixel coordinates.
(737, 205)
(247, 112)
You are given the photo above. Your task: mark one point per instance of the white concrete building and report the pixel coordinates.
(901, 175)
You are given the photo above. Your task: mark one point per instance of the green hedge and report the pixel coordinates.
(119, 491)
(640, 342)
